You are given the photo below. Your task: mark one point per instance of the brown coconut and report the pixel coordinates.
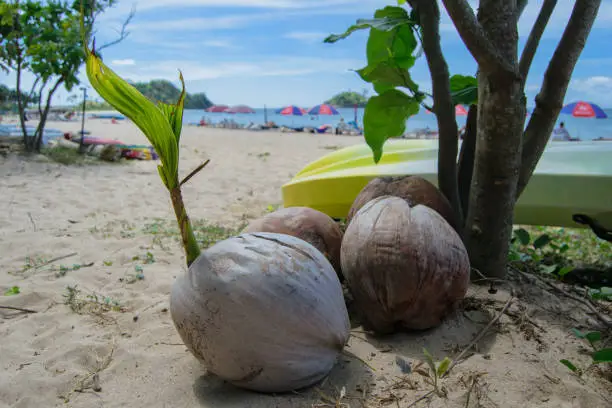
(414, 189)
(405, 266)
(312, 226)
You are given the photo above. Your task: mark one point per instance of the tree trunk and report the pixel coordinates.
(38, 136)
(497, 161)
(465, 166)
(20, 107)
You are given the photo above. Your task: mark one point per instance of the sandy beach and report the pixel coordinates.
(102, 335)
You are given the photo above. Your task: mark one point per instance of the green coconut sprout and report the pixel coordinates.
(161, 124)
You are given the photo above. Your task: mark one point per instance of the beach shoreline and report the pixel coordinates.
(93, 250)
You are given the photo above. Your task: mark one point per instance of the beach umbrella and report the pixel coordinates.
(460, 110)
(583, 109)
(217, 108)
(291, 110)
(323, 109)
(239, 109)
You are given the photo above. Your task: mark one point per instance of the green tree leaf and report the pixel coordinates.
(385, 116)
(464, 89)
(593, 337)
(602, 356)
(578, 333)
(523, 236)
(387, 75)
(385, 19)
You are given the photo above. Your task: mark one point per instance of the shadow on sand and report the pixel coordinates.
(212, 392)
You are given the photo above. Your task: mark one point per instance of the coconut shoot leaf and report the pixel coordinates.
(385, 116)
(174, 112)
(602, 356)
(151, 120)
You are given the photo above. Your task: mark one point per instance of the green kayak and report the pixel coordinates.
(571, 178)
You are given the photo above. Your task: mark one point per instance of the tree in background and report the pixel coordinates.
(161, 90)
(8, 98)
(348, 100)
(45, 39)
(498, 154)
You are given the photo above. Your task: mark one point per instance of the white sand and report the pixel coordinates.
(99, 212)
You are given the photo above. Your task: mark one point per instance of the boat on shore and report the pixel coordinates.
(571, 178)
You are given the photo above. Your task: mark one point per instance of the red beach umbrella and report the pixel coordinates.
(239, 109)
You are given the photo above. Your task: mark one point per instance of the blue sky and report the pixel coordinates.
(271, 52)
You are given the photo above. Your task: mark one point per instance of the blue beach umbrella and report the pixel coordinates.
(583, 109)
(323, 109)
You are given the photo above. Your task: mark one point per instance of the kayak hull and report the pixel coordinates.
(571, 178)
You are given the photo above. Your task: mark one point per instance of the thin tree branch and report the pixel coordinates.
(467, 155)
(33, 88)
(43, 118)
(534, 37)
(444, 108)
(520, 5)
(19, 309)
(556, 80)
(475, 38)
(123, 34)
(194, 172)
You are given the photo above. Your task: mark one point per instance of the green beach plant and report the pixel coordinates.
(244, 286)
(499, 153)
(161, 124)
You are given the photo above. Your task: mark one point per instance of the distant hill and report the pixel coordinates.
(167, 92)
(348, 100)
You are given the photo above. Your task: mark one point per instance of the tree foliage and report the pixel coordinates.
(497, 156)
(8, 98)
(348, 100)
(165, 91)
(44, 38)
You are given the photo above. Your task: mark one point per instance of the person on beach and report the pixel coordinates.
(561, 134)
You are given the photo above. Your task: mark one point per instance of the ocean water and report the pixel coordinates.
(584, 128)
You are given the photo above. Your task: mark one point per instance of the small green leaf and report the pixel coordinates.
(602, 356)
(541, 241)
(548, 269)
(12, 291)
(430, 361)
(385, 116)
(569, 365)
(578, 333)
(443, 366)
(593, 337)
(565, 270)
(523, 236)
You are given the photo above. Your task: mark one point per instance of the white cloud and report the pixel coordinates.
(306, 36)
(128, 61)
(218, 44)
(595, 89)
(271, 66)
(270, 4)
